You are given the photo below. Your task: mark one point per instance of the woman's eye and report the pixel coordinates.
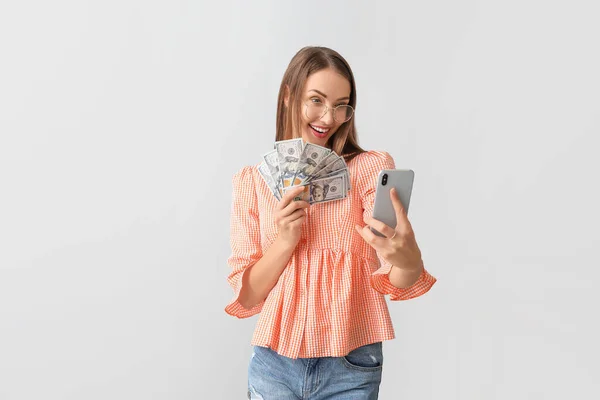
(315, 100)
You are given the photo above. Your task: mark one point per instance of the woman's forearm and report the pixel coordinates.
(259, 279)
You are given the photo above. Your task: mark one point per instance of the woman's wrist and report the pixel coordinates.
(285, 245)
(403, 278)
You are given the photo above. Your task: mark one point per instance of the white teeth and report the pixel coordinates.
(319, 129)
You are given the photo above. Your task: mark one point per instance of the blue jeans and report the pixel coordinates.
(352, 377)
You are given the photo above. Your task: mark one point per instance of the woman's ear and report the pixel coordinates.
(286, 95)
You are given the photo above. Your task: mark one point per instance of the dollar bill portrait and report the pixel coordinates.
(318, 191)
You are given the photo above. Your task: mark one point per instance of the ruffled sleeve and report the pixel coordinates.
(244, 239)
(371, 163)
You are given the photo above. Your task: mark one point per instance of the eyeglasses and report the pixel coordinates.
(341, 113)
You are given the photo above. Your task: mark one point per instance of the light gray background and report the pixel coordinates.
(122, 123)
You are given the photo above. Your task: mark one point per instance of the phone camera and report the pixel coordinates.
(384, 179)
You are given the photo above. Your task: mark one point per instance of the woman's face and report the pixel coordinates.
(325, 87)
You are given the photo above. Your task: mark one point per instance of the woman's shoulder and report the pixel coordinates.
(245, 176)
(247, 170)
(375, 158)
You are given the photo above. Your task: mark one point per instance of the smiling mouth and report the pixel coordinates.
(318, 131)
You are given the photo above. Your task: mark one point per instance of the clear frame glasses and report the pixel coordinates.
(341, 113)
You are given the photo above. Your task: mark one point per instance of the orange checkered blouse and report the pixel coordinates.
(329, 299)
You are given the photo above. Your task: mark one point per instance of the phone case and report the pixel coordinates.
(383, 210)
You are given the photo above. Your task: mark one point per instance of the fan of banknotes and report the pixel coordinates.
(320, 170)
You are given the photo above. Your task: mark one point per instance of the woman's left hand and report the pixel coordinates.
(399, 246)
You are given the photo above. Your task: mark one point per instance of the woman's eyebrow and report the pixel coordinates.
(324, 95)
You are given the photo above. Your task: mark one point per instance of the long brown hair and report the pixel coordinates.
(306, 62)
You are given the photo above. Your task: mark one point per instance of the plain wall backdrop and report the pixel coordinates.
(122, 123)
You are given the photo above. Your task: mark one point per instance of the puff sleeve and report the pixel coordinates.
(245, 240)
(372, 163)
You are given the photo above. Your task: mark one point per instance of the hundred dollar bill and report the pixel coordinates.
(304, 195)
(337, 165)
(288, 153)
(344, 174)
(271, 159)
(322, 190)
(327, 189)
(347, 175)
(331, 157)
(310, 158)
(263, 168)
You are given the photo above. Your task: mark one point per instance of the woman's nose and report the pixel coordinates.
(328, 117)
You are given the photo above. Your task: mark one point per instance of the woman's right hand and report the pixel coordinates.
(289, 215)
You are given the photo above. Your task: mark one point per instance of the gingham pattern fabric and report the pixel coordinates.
(329, 299)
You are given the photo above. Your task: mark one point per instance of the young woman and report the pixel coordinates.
(317, 274)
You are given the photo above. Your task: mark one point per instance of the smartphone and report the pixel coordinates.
(383, 210)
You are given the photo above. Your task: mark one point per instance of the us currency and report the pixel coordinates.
(328, 189)
(288, 153)
(263, 168)
(331, 157)
(272, 161)
(304, 195)
(337, 166)
(344, 175)
(347, 175)
(322, 190)
(310, 158)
